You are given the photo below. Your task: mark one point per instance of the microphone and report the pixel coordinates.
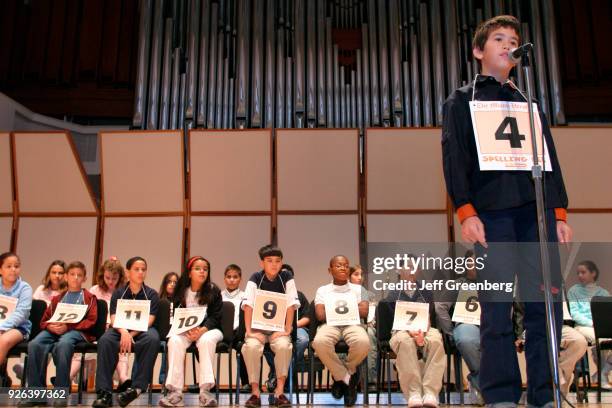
(516, 54)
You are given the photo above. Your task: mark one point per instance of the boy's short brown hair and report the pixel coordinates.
(484, 29)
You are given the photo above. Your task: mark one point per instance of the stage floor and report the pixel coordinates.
(320, 399)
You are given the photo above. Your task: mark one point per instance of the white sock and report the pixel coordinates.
(347, 379)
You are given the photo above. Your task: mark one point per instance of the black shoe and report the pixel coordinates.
(253, 402)
(338, 389)
(281, 402)
(104, 400)
(124, 386)
(350, 394)
(127, 396)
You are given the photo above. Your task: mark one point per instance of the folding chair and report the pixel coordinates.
(601, 310)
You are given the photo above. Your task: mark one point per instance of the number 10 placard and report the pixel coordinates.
(186, 318)
(132, 315)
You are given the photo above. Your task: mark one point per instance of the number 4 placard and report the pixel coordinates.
(411, 316)
(132, 315)
(68, 313)
(502, 134)
(270, 311)
(186, 318)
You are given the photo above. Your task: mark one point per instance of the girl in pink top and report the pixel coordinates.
(110, 276)
(54, 282)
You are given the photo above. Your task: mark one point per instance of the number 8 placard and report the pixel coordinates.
(7, 306)
(186, 318)
(132, 315)
(270, 311)
(341, 309)
(411, 316)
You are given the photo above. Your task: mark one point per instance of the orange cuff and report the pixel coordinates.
(466, 211)
(561, 214)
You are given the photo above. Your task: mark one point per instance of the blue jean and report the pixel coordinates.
(467, 339)
(62, 349)
(163, 370)
(300, 346)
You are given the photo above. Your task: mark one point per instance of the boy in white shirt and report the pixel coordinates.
(346, 374)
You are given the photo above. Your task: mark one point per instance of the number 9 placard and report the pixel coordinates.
(68, 313)
(270, 311)
(411, 316)
(341, 309)
(186, 318)
(132, 315)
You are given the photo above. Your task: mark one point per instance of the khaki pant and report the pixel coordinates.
(414, 381)
(324, 345)
(252, 350)
(606, 355)
(573, 347)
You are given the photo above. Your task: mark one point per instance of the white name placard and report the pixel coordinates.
(341, 309)
(132, 314)
(467, 308)
(411, 316)
(270, 311)
(68, 313)
(186, 318)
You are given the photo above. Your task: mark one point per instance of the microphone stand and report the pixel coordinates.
(537, 175)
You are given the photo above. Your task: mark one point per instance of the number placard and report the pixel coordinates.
(132, 314)
(411, 316)
(502, 134)
(68, 313)
(371, 312)
(567, 316)
(186, 318)
(270, 311)
(341, 309)
(7, 306)
(467, 308)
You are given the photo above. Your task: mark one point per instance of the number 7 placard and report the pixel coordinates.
(68, 313)
(132, 315)
(186, 318)
(270, 311)
(411, 316)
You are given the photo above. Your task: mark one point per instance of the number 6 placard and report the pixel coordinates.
(411, 316)
(467, 308)
(68, 313)
(186, 318)
(7, 305)
(270, 311)
(341, 309)
(132, 315)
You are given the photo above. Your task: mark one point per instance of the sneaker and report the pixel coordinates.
(281, 401)
(415, 401)
(124, 386)
(128, 396)
(253, 402)
(430, 401)
(337, 390)
(207, 399)
(476, 395)
(173, 399)
(104, 400)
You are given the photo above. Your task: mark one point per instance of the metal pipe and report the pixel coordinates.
(396, 65)
(383, 61)
(176, 88)
(438, 60)
(425, 65)
(554, 75)
(365, 63)
(270, 24)
(204, 63)
(321, 73)
(192, 57)
(242, 60)
(164, 111)
(373, 63)
(140, 93)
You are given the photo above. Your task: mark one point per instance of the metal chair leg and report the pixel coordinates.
(388, 358)
(229, 376)
(80, 386)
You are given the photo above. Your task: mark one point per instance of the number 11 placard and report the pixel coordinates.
(132, 315)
